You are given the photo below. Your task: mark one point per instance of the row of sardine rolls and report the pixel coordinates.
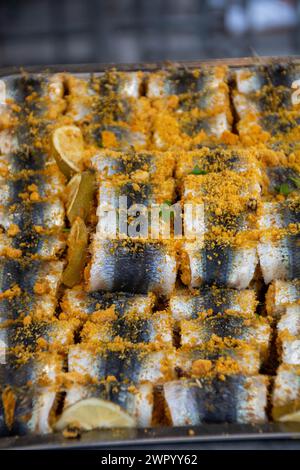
(120, 262)
(126, 350)
(236, 197)
(124, 342)
(124, 108)
(282, 303)
(31, 208)
(134, 266)
(32, 218)
(263, 100)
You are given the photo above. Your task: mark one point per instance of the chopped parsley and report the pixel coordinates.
(197, 171)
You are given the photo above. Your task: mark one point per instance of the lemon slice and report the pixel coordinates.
(80, 194)
(68, 149)
(295, 416)
(93, 413)
(77, 251)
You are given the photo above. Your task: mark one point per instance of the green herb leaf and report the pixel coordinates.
(284, 189)
(197, 171)
(66, 229)
(296, 181)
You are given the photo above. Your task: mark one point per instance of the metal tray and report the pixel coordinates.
(163, 436)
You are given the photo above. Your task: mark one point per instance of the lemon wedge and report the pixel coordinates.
(68, 149)
(77, 251)
(80, 194)
(94, 413)
(295, 416)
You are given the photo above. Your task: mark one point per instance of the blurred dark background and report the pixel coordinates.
(74, 31)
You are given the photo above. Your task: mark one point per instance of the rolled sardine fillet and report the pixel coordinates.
(27, 215)
(30, 187)
(288, 335)
(35, 94)
(253, 79)
(233, 399)
(280, 295)
(111, 116)
(122, 84)
(128, 200)
(119, 136)
(24, 340)
(165, 83)
(217, 160)
(188, 306)
(41, 246)
(12, 164)
(229, 327)
(286, 392)
(83, 87)
(279, 255)
(137, 401)
(108, 328)
(132, 365)
(279, 125)
(134, 266)
(209, 101)
(28, 394)
(246, 189)
(141, 167)
(187, 131)
(266, 101)
(213, 263)
(221, 208)
(145, 194)
(205, 361)
(29, 287)
(31, 413)
(78, 303)
(212, 126)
